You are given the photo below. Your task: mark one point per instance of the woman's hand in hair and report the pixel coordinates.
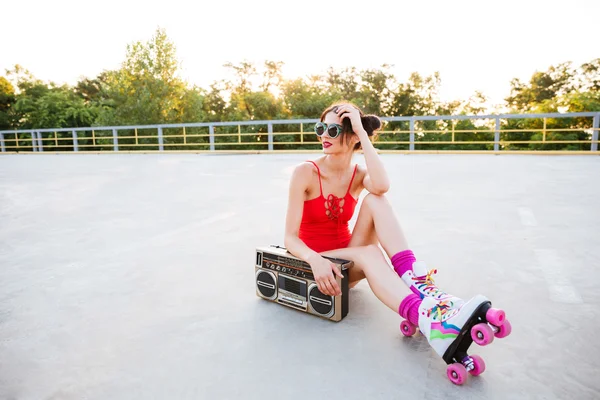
(347, 111)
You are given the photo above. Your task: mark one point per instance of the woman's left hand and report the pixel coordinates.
(347, 111)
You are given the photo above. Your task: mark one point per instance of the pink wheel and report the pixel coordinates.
(457, 373)
(482, 334)
(504, 330)
(407, 328)
(478, 365)
(495, 316)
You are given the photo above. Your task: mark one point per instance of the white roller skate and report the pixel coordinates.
(451, 327)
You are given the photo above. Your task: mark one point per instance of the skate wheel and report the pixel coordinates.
(482, 334)
(495, 316)
(504, 330)
(457, 373)
(407, 328)
(478, 365)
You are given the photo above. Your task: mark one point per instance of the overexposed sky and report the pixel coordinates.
(475, 45)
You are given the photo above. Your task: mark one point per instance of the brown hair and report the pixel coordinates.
(370, 123)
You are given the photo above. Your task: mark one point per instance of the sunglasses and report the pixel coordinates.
(333, 130)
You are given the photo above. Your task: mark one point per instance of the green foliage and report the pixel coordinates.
(38, 105)
(7, 101)
(306, 99)
(146, 89)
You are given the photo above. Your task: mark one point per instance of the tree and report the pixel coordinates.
(589, 76)
(7, 101)
(542, 86)
(343, 84)
(41, 105)
(306, 99)
(146, 89)
(245, 102)
(561, 88)
(272, 75)
(374, 94)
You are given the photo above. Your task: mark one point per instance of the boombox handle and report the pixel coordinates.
(346, 263)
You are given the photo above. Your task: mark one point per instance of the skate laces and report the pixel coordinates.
(440, 309)
(428, 282)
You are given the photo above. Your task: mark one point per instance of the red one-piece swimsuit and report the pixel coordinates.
(324, 224)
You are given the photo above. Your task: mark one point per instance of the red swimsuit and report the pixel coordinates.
(324, 223)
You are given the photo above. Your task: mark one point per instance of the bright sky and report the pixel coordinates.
(475, 45)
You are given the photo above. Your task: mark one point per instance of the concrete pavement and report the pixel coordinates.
(131, 277)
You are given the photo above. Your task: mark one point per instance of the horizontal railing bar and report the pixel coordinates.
(134, 145)
(303, 121)
(382, 133)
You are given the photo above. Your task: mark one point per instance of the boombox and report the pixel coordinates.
(288, 280)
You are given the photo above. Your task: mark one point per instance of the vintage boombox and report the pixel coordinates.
(288, 280)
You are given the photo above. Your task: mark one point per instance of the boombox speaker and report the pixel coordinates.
(288, 280)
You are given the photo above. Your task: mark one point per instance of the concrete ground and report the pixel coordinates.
(132, 277)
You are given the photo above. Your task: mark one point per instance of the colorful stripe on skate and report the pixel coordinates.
(443, 330)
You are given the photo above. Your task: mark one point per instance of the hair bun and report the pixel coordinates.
(371, 123)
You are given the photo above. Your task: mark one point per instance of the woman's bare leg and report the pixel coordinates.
(370, 262)
(376, 223)
(377, 219)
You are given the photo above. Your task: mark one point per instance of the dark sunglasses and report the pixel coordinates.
(333, 130)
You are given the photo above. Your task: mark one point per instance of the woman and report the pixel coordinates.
(322, 199)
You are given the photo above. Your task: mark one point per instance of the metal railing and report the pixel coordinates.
(566, 133)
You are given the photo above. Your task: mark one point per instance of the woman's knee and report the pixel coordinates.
(372, 201)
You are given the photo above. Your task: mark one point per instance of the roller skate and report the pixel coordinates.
(450, 328)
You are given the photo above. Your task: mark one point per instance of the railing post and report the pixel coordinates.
(544, 131)
(2, 143)
(211, 137)
(412, 134)
(34, 141)
(160, 139)
(270, 131)
(40, 143)
(497, 135)
(595, 127)
(115, 140)
(75, 143)
(453, 126)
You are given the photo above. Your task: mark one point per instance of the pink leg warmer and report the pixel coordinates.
(409, 308)
(403, 261)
